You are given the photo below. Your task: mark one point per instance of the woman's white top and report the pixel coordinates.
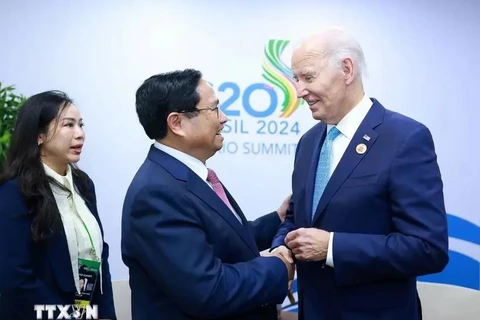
(74, 213)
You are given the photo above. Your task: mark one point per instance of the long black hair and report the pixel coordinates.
(24, 162)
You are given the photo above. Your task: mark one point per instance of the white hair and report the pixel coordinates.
(339, 45)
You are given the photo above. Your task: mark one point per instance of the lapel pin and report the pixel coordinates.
(361, 148)
(366, 137)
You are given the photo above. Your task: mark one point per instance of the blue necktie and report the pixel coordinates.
(323, 168)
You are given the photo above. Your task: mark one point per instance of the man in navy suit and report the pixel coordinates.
(190, 251)
(367, 214)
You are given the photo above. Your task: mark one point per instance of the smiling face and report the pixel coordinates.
(327, 68)
(63, 142)
(205, 130)
(320, 84)
(200, 130)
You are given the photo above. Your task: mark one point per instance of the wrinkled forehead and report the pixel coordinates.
(305, 59)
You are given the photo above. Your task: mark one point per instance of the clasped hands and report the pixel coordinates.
(290, 269)
(306, 244)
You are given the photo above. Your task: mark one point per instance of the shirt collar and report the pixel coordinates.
(350, 123)
(194, 164)
(59, 178)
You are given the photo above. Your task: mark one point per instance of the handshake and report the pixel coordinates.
(286, 256)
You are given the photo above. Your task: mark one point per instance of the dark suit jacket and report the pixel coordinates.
(386, 210)
(188, 256)
(40, 272)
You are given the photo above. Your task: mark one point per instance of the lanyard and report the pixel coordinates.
(93, 252)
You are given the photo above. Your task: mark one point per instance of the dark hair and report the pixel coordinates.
(163, 94)
(24, 163)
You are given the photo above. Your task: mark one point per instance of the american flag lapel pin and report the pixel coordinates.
(366, 137)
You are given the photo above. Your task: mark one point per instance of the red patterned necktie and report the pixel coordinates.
(218, 188)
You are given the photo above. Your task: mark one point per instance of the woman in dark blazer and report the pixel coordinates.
(49, 224)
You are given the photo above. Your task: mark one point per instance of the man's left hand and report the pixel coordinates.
(308, 244)
(282, 210)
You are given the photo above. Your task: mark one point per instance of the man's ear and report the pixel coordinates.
(348, 70)
(174, 123)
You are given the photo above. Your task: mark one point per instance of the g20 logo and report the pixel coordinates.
(240, 102)
(228, 107)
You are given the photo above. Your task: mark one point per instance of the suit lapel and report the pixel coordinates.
(351, 158)
(245, 222)
(57, 247)
(59, 256)
(200, 188)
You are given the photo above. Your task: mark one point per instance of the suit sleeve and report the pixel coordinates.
(106, 308)
(172, 244)
(289, 223)
(19, 286)
(264, 229)
(287, 226)
(419, 244)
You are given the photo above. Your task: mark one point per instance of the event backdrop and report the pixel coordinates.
(422, 59)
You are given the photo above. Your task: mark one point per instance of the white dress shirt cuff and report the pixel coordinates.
(329, 261)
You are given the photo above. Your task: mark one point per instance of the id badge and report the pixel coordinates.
(88, 271)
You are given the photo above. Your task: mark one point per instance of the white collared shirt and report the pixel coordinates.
(74, 212)
(347, 127)
(193, 163)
